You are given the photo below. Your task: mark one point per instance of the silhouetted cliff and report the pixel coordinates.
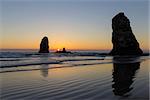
(44, 47)
(124, 41)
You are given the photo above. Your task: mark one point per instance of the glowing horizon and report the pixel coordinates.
(73, 25)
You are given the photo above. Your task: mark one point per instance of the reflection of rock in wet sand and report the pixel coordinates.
(123, 75)
(44, 70)
(44, 67)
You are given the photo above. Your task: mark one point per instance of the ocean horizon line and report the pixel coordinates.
(14, 49)
(56, 49)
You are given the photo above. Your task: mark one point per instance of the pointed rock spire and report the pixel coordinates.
(44, 47)
(123, 40)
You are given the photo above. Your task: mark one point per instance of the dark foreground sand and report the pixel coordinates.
(92, 82)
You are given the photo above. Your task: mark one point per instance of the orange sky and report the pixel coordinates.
(73, 25)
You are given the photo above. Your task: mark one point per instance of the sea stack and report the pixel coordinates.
(63, 51)
(123, 40)
(44, 47)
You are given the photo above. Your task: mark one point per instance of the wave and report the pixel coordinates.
(43, 60)
(12, 61)
(16, 69)
(65, 63)
(52, 54)
(16, 62)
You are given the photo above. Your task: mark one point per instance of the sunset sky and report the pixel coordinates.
(74, 24)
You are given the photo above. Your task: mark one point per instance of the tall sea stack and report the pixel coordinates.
(124, 41)
(44, 47)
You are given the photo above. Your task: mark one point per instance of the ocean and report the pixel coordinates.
(79, 75)
(19, 58)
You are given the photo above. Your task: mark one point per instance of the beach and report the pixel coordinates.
(90, 80)
(74, 50)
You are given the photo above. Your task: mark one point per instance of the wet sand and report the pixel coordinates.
(93, 82)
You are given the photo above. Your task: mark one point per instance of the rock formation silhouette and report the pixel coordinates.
(124, 41)
(63, 51)
(44, 47)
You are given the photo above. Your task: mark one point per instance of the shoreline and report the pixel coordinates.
(30, 67)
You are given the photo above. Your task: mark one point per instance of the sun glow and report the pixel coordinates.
(80, 27)
(58, 49)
